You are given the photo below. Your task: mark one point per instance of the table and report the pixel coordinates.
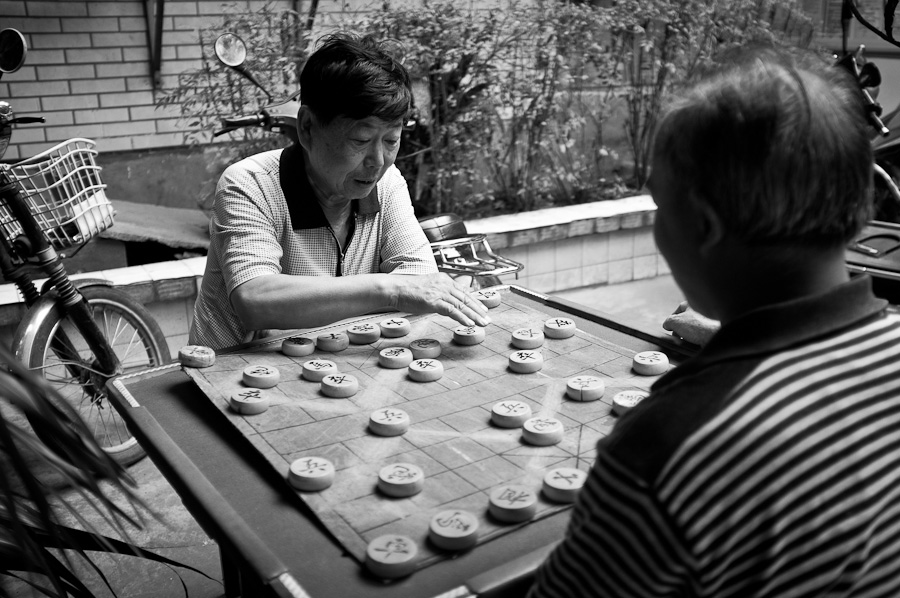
(271, 544)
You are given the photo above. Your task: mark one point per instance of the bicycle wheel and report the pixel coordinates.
(62, 355)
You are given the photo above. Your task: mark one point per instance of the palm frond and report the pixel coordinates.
(32, 474)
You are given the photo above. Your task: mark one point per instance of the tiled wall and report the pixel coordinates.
(566, 248)
(596, 259)
(606, 242)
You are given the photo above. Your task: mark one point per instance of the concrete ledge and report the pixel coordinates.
(173, 227)
(165, 281)
(556, 224)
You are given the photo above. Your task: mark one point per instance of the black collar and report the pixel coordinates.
(781, 326)
(295, 185)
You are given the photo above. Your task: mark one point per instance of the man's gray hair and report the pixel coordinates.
(777, 144)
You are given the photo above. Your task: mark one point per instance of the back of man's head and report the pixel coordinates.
(777, 145)
(355, 77)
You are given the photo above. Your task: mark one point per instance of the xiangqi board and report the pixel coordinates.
(450, 434)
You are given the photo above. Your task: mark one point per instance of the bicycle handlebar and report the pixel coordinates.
(27, 120)
(280, 117)
(238, 122)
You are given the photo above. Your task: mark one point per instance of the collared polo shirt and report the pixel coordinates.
(766, 466)
(266, 220)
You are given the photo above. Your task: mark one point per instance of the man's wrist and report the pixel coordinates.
(386, 291)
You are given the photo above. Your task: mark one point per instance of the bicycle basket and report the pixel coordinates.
(63, 190)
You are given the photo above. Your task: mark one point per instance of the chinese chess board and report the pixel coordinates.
(451, 437)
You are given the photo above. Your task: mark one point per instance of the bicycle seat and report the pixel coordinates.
(440, 227)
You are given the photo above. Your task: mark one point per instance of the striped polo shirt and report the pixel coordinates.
(766, 466)
(266, 220)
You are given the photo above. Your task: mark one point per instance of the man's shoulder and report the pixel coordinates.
(391, 180)
(645, 438)
(392, 193)
(685, 405)
(256, 178)
(261, 163)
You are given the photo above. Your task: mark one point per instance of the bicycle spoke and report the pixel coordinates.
(67, 361)
(134, 344)
(130, 348)
(112, 336)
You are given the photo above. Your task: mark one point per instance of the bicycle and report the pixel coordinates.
(456, 252)
(78, 334)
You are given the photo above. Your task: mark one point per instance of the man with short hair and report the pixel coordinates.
(768, 465)
(324, 230)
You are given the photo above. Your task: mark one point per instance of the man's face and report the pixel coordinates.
(348, 157)
(677, 236)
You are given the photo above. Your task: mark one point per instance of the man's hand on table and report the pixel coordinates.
(437, 293)
(691, 326)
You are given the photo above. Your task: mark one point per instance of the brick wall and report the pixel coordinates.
(88, 73)
(88, 67)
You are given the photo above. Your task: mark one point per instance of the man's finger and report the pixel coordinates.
(670, 321)
(479, 317)
(474, 308)
(458, 313)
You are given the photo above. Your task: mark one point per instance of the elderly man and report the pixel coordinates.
(324, 230)
(768, 464)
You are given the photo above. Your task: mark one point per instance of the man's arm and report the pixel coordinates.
(618, 545)
(285, 301)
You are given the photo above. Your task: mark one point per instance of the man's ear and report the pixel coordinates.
(304, 126)
(710, 229)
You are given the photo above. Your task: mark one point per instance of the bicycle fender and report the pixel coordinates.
(80, 283)
(40, 311)
(23, 339)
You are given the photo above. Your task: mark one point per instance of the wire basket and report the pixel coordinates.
(63, 190)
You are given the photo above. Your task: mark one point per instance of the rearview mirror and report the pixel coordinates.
(12, 50)
(231, 50)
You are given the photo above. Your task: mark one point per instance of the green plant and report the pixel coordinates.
(657, 46)
(524, 105)
(566, 101)
(32, 473)
(450, 58)
(504, 123)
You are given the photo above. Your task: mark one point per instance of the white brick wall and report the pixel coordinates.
(88, 70)
(88, 66)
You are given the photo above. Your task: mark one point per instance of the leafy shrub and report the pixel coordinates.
(656, 46)
(532, 104)
(506, 123)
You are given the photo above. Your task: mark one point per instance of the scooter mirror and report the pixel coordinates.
(231, 50)
(869, 75)
(12, 50)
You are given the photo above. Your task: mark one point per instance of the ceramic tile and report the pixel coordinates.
(568, 279)
(645, 266)
(569, 253)
(621, 271)
(644, 243)
(621, 245)
(595, 274)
